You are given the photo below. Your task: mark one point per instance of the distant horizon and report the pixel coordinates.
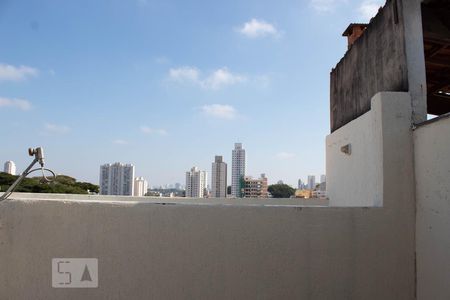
(182, 182)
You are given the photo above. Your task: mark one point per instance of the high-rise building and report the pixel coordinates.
(10, 167)
(195, 183)
(255, 188)
(219, 178)
(311, 182)
(301, 185)
(140, 186)
(117, 179)
(323, 183)
(237, 169)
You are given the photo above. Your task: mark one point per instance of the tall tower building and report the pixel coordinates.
(219, 178)
(10, 167)
(237, 169)
(140, 187)
(311, 182)
(117, 179)
(195, 183)
(323, 178)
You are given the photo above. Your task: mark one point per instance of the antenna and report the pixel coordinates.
(38, 154)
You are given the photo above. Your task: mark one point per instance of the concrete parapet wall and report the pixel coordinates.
(184, 251)
(432, 163)
(379, 169)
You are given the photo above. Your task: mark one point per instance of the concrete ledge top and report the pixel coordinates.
(433, 120)
(290, 202)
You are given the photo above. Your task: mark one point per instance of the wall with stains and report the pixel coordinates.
(376, 62)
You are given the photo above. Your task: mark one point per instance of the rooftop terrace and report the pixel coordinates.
(383, 234)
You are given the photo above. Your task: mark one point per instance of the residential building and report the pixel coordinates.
(237, 169)
(10, 167)
(117, 179)
(311, 182)
(323, 178)
(140, 186)
(255, 188)
(219, 178)
(196, 183)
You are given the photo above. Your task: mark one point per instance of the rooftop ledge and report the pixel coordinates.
(289, 202)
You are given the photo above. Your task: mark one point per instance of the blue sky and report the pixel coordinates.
(167, 85)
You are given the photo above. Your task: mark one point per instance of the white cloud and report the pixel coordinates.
(217, 79)
(258, 28)
(369, 8)
(184, 74)
(57, 129)
(12, 73)
(219, 111)
(324, 6)
(15, 103)
(120, 142)
(148, 130)
(285, 155)
(222, 77)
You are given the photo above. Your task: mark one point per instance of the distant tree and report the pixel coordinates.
(61, 185)
(281, 190)
(93, 188)
(66, 180)
(6, 180)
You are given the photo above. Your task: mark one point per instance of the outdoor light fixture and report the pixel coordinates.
(347, 149)
(38, 154)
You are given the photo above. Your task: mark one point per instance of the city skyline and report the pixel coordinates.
(10, 168)
(85, 93)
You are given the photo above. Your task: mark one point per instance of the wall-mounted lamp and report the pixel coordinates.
(347, 149)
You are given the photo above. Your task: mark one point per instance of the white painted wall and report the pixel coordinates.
(432, 162)
(355, 179)
(381, 146)
(183, 251)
